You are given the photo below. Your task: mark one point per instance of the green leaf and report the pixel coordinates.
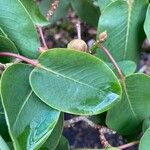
(63, 144)
(134, 106)
(3, 145)
(2, 32)
(55, 136)
(82, 9)
(123, 21)
(147, 23)
(127, 67)
(61, 11)
(144, 143)
(75, 82)
(104, 3)
(146, 124)
(17, 24)
(29, 120)
(34, 12)
(6, 45)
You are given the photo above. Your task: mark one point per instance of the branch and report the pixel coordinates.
(113, 62)
(102, 130)
(128, 145)
(42, 37)
(34, 63)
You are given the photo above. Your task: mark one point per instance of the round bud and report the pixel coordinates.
(77, 44)
(103, 37)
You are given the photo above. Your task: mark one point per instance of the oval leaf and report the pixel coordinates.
(146, 124)
(145, 141)
(29, 120)
(147, 23)
(17, 24)
(55, 136)
(75, 82)
(123, 28)
(134, 106)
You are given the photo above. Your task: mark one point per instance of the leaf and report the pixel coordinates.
(2, 32)
(55, 136)
(147, 23)
(17, 24)
(63, 144)
(6, 45)
(127, 67)
(104, 3)
(134, 106)
(29, 120)
(123, 21)
(3, 145)
(34, 12)
(75, 82)
(82, 8)
(146, 124)
(144, 143)
(61, 11)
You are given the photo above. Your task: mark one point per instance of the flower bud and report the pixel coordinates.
(103, 37)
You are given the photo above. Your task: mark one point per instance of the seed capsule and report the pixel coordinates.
(77, 44)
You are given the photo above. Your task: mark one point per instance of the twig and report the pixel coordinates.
(113, 61)
(42, 37)
(102, 130)
(53, 8)
(34, 63)
(128, 145)
(78, 28)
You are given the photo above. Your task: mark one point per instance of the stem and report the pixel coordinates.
(29, 61)
(113, 62)
(78, 28)
(128, 145)
(42, 37)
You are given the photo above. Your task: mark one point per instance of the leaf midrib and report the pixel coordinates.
(54, 72)
(21, 108)
(130, 3)
(128, 100)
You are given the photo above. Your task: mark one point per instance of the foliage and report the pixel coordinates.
(37, 90)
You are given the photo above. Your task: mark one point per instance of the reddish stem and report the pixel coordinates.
(42, 37)
(113, 62)
(29, 61)
(128, 145)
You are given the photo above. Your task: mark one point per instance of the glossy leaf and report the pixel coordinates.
(55, 136)
(127, 67)
(3, 145)
(17, 24)
(134, 106)
(123, 28)
(6, 45)
(63, 144)
(29, 120)
(87, 11)
(75, 82)
(61, 11)
(145, 141)
(147, 23)
(34, 12)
